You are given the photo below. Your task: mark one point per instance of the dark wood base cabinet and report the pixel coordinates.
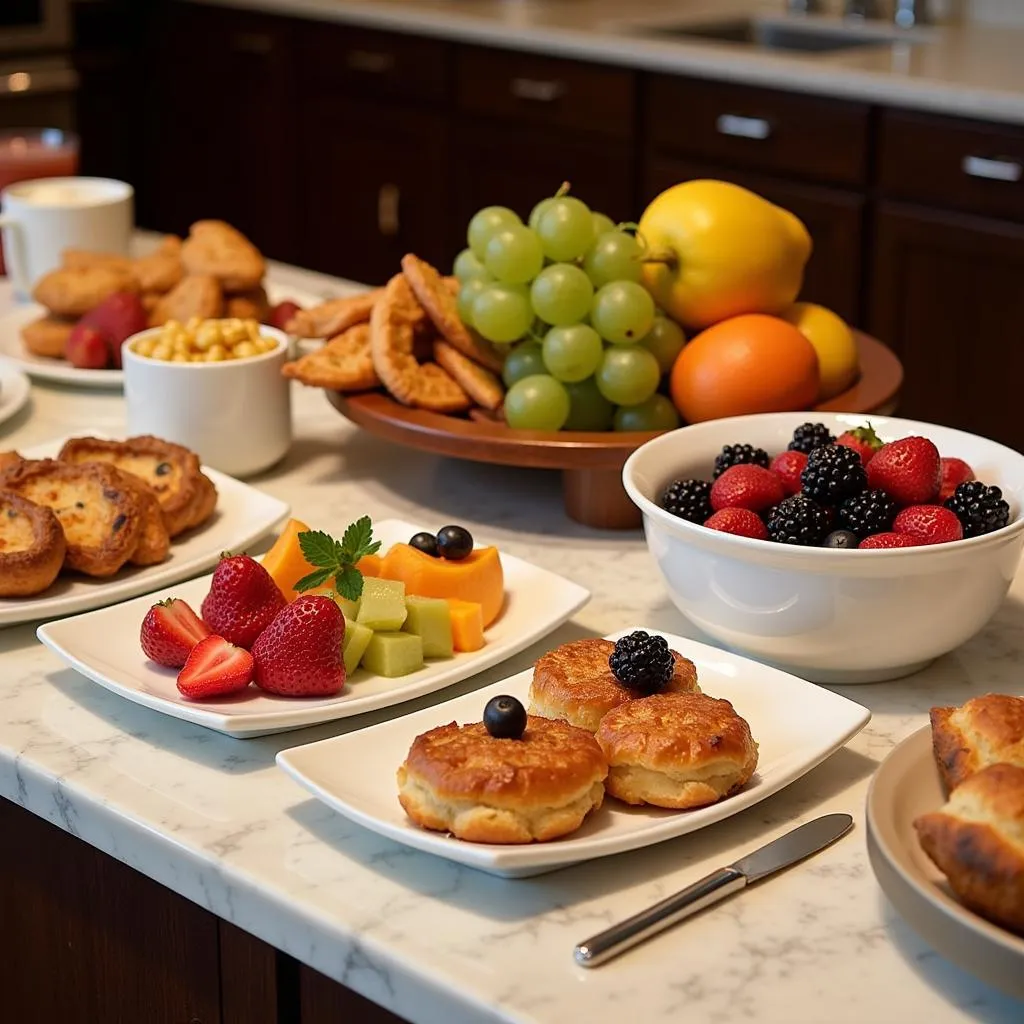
(85, 939)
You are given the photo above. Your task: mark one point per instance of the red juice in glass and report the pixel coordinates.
(27, 153)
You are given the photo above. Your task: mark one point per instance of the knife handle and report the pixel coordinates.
(626, 934)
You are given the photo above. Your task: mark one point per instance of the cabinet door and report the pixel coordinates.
(323, 1001)
(833, 216)
(946, 296)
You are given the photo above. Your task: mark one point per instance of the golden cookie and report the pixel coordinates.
(481, 385)
(9, 458)
(73, 291)
(161, 270)
(47, 336)
(216, 249)
(196, 295)
(392, 337)
(343, 364)
(334, 316)
(437, 299)
(249, 305)
(79, 259)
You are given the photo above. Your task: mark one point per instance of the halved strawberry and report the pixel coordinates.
(215, 668)
(169, 632)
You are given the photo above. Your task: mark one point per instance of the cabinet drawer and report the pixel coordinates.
(965, 165)
(800, 136)
(364, 62)
(546, 91)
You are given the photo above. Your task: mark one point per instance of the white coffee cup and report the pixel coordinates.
(44, 216)
(235, 414)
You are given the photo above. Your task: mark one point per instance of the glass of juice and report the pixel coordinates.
(27, 153)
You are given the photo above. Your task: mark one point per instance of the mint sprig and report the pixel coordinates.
(336, 559)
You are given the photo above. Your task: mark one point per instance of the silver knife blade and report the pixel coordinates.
(783, 852)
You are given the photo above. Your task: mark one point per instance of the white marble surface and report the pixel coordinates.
(215, 820)
(971, 69)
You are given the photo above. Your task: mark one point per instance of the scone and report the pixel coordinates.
(575, 683)
(72, 292)
(460, 779)
(977, 841)
(48, 336)
(215, 248)
(984, 731)
(32, 546)
(678, 750)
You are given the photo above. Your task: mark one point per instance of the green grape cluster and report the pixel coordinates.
(587, 349)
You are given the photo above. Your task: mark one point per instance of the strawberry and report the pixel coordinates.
(87, 348)
(888, 540)
(746, 486)
(863, 440)
(242, 601)
(952, 473)
(788, 466)
(117, 319)
(299, 653)
(907, 470)
(281, 314)
(215, 668)
(169, 632)
(739, 521)
(928, 524)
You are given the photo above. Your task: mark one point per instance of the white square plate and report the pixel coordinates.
(243, 515)
(104, 646)
(795, 723)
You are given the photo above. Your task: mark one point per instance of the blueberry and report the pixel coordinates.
(454, 542)
(425, 542)
(505, 718)
(841, 539)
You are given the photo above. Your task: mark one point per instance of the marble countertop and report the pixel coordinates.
(971, 69)
(214, 819)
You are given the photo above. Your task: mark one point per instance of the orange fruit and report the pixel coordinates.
(746, 364)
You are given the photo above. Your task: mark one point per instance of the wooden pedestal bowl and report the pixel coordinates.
(590, 463)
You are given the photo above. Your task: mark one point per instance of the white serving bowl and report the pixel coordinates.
(833, 616)
(235, 414)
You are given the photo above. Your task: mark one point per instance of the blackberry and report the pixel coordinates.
(832, 474)
(809, 436)
(980, 508)
(867, 513)
(798, 520)
(740, 455)
(688, 499)
(642, 661)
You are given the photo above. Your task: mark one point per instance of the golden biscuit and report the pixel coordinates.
(392, 337)
(677, 750)
(249, 305)
(342, 364)
(335, 316)
(203, 504)
(78, 259)
(161, 270)
(437, 299)
(216, 249)
(481, 385)
(462, 780)
(984, 731)
(977, 841)
(154, 540)
(575, 683)
(48, 336)
(9, 458)
(32, 546)
(73, 291)
(195, 295)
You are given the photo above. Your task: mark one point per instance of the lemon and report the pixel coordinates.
(833, 341)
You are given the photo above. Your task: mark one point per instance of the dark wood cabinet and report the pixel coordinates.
(323, 1001)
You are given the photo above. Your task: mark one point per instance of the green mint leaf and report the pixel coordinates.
(371, 550)
(319, 549)
(356, 539)
(315, 579)
(349, 583)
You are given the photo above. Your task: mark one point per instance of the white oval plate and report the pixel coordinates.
(14, 391)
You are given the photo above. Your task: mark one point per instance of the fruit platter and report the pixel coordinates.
(567, 341)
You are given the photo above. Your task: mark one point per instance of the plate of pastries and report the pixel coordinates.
(88, 521)
(945, 816)
(605, 745)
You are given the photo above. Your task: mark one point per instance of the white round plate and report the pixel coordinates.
(14, 391)
(906, 785)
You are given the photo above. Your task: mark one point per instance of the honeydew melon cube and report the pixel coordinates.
(393, 654)
(382, 605)
(357, 637)
(350, 609)
(431, 619)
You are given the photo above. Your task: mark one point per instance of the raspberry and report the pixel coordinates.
(739, 521)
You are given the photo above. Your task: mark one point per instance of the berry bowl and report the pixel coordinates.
(830, 615)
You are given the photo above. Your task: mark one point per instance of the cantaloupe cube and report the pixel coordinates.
(467, 624)
(369, 565)
(285, 562)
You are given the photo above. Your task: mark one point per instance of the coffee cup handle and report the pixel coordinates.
(16, 259)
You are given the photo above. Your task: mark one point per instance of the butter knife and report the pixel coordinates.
(783, 852)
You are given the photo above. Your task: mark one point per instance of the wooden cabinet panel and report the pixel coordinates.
(806, 137)
(834, 217)
(324, 1001)
(946, 296)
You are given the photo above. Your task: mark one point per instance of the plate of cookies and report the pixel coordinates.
(605, 745)
(945, 816)
(89, 521)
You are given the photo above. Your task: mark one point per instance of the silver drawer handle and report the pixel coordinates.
(370, 61)
(537, 90)
(743, 127)
(993, 170)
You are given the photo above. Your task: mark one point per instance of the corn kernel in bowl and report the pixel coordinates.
(205, 341)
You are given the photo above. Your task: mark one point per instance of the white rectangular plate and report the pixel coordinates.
(243, 515)
(104, 646)
(795, 723)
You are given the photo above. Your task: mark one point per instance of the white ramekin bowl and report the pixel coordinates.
(834, 616)
(235, 414)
